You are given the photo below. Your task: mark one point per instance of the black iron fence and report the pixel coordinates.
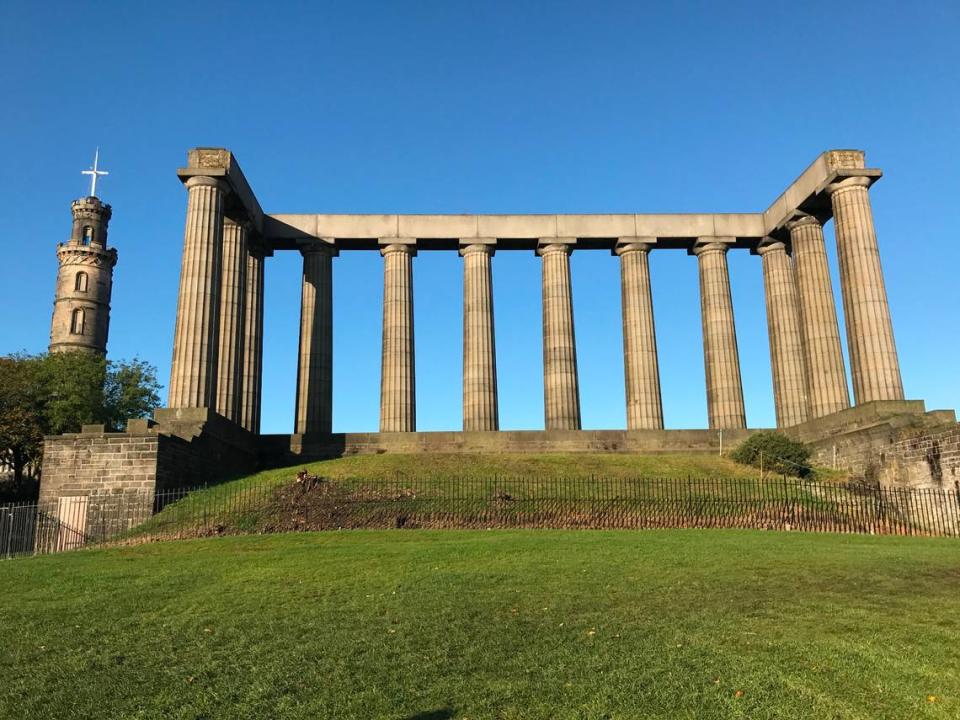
(312, 503)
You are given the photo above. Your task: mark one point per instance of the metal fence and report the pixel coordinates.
(312, 503)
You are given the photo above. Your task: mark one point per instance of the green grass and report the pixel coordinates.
(489, 624)
(248, 504)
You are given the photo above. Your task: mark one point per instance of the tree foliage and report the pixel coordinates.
(55, 393)
(775, 452)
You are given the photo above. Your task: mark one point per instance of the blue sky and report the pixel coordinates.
(482, 107)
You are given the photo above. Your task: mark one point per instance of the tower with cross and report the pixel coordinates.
(81, 306)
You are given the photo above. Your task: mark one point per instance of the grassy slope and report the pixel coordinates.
(375, 467)
(490, 624)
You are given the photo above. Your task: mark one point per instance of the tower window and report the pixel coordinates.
(80, 285)
(87, 234)
(77, 322)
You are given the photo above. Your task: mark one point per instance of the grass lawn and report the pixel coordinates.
(487, 624)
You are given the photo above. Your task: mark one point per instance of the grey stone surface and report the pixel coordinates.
(721, 357)
(252, 366)
(233, 286)
(561, 391)
(314, 408)
(640, 364)
(874, 367)
(826, 377)
(787, 360)
(81, 307)
(193, 373)
(480, 411)
(398, 409)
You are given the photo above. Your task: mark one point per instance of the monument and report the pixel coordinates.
(81, 306)
(211, 427)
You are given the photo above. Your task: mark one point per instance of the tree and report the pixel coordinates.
(131, 391)
(55, 393)
(22, 422)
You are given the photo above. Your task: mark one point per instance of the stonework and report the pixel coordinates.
(314, 409)
(561, 392)
(873, 354)
(480, 412)
(213, 418)
(826, 377)
(398, 397)
(721, 357)
(640, 364)
(787, 361)
(81, 308)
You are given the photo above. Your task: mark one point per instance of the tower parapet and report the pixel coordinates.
(81, 307)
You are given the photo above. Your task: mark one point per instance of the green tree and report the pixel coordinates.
(131, 391)
(22, 419)
(55, 393)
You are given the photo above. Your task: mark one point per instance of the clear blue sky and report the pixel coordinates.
(482, 107)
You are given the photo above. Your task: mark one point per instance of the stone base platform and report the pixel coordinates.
(276, 450)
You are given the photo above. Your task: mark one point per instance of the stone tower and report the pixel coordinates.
(81, 308)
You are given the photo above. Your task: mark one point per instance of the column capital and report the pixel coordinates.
(318, 246)
(469, 246)
(771, 245)
(849, 183)
(633, 244)
(801, 221)
(208, 181)
(711, 244)
(398, 245)
(551, 245)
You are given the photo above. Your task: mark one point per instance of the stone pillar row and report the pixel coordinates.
(218, 339)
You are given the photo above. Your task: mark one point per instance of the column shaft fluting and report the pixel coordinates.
(874, 366)
(314, 408)
(826, 377)
(640, 365)
(787, 361)
(398, 411)
(561, 393)
(721, 359)
(252, 382)
(232, 310)
(193, 372)
(479, 347)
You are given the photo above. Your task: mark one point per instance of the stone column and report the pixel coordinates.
(561, 393)
(826, 377)
(193, 372)
(721, 359)
(314, 409)
(479, 347)
(398, 410)
(787, 360)
(641, 370)
(874, 366)
(232, 310)
(252, 383)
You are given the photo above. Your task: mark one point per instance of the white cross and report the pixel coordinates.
(93, 173)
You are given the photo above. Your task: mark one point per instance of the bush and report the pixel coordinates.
(779, 454)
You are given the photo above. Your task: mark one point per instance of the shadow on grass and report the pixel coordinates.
(440, 714)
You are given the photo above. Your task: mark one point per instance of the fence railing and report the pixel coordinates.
(311, 503)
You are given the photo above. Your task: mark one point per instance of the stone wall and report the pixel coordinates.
(276, 450)
(113, 477)
(894, 443)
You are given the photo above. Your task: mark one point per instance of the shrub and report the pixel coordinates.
(779, 454)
